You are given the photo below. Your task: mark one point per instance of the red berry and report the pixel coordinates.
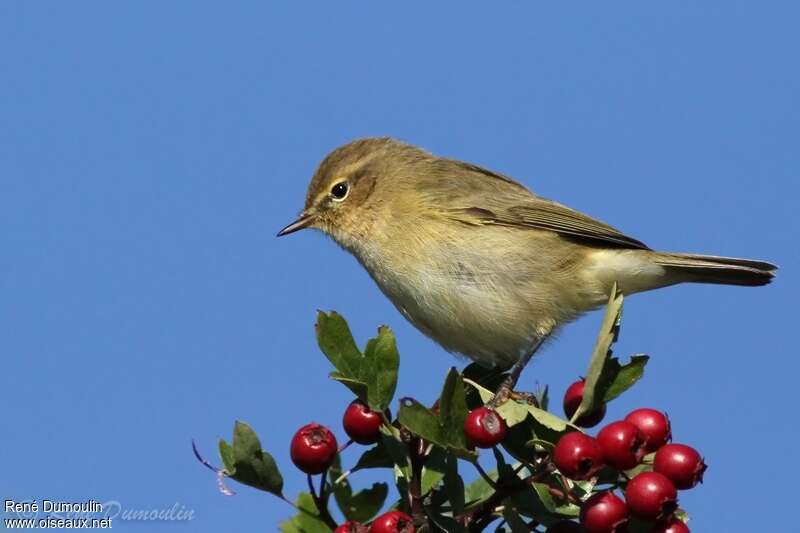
(673, 525)
(572, 400)
(622, 444)
(393, 522)
(681, 464)
(565, 526)
(654, 426)
(604, 513)
(484, 427)
(651, 496)
(578, 456)
(351, 527)
(361, 423)
(313, 448)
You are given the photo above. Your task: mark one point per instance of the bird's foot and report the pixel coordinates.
(524, 397)
(504, 394)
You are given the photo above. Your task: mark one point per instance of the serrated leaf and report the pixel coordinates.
(226, 454)
(250, 464)
(396, 450)
(305, 522)
(625, 377)
(543, 398)
(359, 388)
(480, 488)
(379, 369)
(433, 470)
(638, 469)
(376, 457)
(513, 412)
(485, 394)
(602, 351)
(422, 422)
(336, 342)
(453, 410)
(550, 420)
(364, 504)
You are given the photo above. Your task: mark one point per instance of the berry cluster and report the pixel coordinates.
(623, 479)
(314, 449)
(635, 450)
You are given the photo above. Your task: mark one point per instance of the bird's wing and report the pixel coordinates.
(545, 214)
(507, 203)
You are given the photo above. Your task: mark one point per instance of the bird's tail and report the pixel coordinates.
(713, 269)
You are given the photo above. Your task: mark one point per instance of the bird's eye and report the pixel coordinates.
(339, 191)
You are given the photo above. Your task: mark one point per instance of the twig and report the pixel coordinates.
(415, 483)
(321, 501)
(484, 475)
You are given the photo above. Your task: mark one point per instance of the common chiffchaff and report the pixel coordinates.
(476, 261)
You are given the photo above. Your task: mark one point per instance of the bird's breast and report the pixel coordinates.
(465, 296)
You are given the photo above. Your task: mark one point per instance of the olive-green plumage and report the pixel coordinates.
(475, 260)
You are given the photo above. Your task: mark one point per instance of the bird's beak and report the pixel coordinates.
(303, 221)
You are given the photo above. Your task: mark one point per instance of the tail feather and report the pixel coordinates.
(713, 269)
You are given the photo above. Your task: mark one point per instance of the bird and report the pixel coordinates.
(478, 262)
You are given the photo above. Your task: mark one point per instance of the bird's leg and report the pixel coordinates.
(506, 389)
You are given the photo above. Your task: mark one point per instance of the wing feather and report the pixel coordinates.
(503, 201)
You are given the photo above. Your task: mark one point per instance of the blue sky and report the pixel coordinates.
(150, 151)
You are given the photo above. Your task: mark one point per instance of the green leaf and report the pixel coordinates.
(513, 412)
(480, 489)
(396, 450)
(362, 505)
(422, 422)
(638, 469)
(623, 377)
(379, 369)
(228, 460)
(336, 342)
(454, 485)
(602, 351)
(543, 397)
(373, 376)
(305, 522)
(486, 394)
(247, 463)
(550, 420)
(453, 410)
(433, 470)
(376, 457)
(359, 388)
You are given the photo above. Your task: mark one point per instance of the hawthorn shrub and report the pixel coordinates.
(549, 474)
